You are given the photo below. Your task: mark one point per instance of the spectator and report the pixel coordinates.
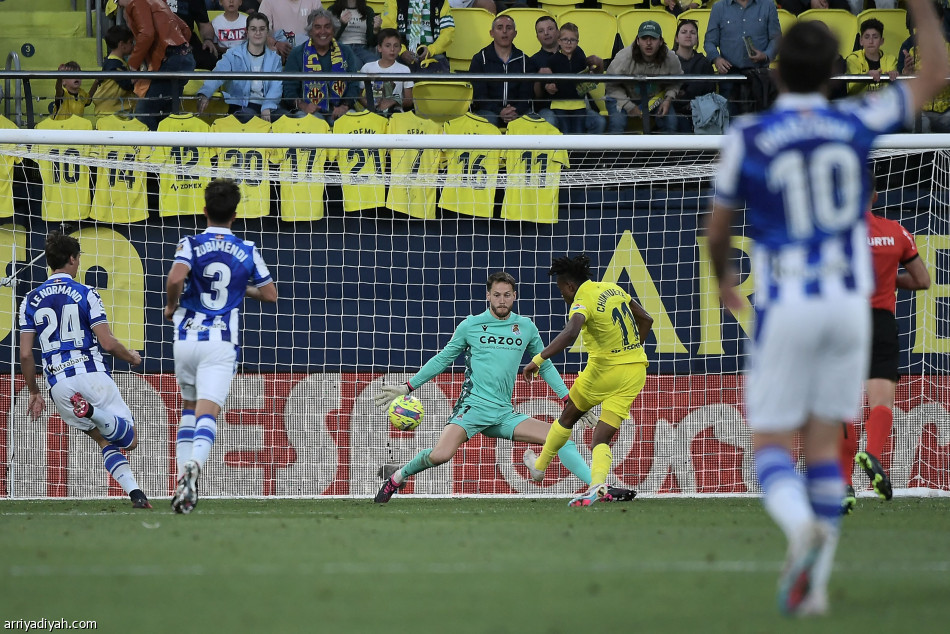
(648, 55)
(288, 19)
(359, 25)
(161, 42)
(70, 98)
(569, 99)
(545, 28)
(676, 6)
(110, 96)
(230, 28)
(692, 63)
(328, 100)
(488, 5)
(870, 59)
(247, 98)
(741, 35)
(798, 6)
(425, 26)
(388, 96)
(192, 12)
(502, 102)
(935, 116)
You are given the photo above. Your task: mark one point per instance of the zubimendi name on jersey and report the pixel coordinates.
(230, 248)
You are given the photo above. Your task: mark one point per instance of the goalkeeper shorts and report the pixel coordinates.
(614, 386)
(489, 419)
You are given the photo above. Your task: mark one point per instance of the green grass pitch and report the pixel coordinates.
(460, 565)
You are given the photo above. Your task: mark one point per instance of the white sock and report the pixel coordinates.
(184, 440)
(398, 477)
(118, 466)
(821, 573)
(205, 430)
(784, 494)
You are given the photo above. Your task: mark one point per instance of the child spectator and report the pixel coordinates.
(359, 26)
(569, 99)
(871, 59)
(388, 96)
(74, 100)
(230, 28)
(110, 96)
(692, 63)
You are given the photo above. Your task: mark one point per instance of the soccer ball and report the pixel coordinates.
(405, 413)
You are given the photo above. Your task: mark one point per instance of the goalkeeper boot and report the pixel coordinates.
(619, 494)
(597, 493)
(849, 501)
(139, 501)
(876, 473)
(794, 584)
(387, 470)
(387, 490)
(530, 458)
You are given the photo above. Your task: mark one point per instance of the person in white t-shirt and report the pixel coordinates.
(288, 21)
(359, 25)
(388, 96)
(231, 26)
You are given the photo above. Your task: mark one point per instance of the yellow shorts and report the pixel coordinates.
(613, 385)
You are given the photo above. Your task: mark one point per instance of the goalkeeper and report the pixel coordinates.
(494, 344)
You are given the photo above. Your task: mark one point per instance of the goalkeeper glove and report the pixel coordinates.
(388, 393)
(589, 418)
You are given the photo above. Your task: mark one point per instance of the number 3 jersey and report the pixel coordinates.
(802, 171)
(63, 312)
(610, 332)
(222, 267)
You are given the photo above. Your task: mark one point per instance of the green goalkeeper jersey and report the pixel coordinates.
(494, 349)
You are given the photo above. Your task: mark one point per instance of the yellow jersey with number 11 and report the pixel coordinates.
(610, 332)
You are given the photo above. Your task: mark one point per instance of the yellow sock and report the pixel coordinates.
(600, 464)
(556, 438)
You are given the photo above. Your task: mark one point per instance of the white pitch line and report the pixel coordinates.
(435, 568)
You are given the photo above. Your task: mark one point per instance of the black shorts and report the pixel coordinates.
(885, 349)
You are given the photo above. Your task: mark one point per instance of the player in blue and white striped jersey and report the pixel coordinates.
(212, 273)
(801, 172)
(70, 322)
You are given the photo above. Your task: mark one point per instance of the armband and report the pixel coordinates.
(537, 360)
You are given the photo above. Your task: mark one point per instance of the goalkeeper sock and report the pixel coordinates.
(557, 437)
(418, 464)
(600, 464)
(573, 461)
(847, 450)
(878, 426)
(783, 490)
(205, 431)
(184, 439)
(118, 466)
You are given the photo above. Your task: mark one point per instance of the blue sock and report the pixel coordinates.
(573, 461)
(205, 431)
(783, 489)
(420, 463)
(119, 468)
(120, 432)
(826, 490)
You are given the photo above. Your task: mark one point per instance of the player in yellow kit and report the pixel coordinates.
(615, 327)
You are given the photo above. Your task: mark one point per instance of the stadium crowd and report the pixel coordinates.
(728, 37)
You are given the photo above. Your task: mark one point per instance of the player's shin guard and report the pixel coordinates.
(119, 468)
(418, 464)
(184, 439)
(557, 437)
(118, 431)
(879, 424)
(600, 463)
(205, 430)
(783, 490)
(574, 462)
(847, 451)
(825, 490)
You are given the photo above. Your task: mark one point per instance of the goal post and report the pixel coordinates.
(380, 244)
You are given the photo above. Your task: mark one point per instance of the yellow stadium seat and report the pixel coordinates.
(379, 6)
(701, 16)
(441, 100)
(786, 20)
(629, 22)
(472, 34)
(842, 23)
(895, 27)
(46, 24)
(557, 7)
(527, 39)
(598, 30)
(618, 7)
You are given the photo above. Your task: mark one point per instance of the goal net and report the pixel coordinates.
(380, 244)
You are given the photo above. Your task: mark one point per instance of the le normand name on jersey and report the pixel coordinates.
(222, 245)
(54, 289)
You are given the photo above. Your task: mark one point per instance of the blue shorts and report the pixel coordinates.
(478, 417)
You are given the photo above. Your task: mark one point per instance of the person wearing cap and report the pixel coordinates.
(648, 55)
